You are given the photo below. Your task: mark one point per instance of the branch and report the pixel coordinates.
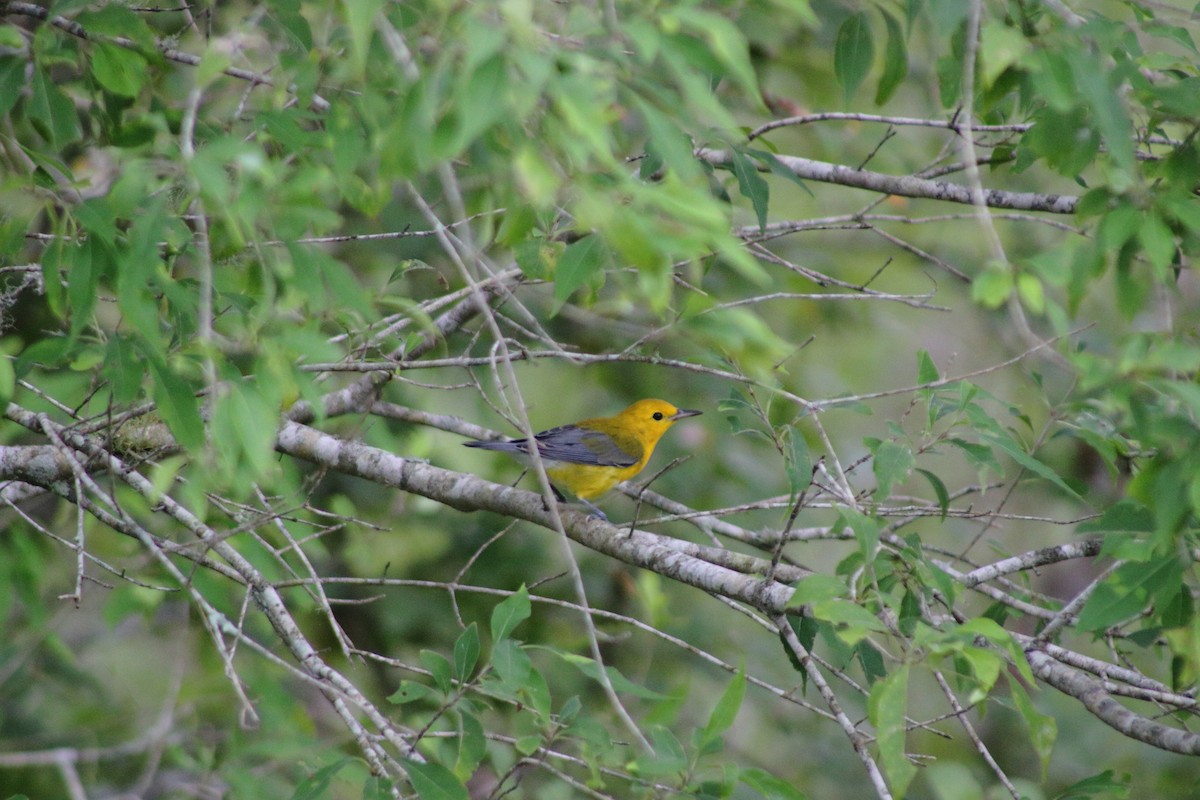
(1032, 559)
(359, 395)
(678, 560)
(857, 740)
(1097, 700)
(902, 185)
(265, 596)
(171, 54)
(919, 122)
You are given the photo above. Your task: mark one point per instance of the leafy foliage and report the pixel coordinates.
(262, 267)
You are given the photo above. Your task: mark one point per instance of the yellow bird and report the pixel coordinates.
(591, 456)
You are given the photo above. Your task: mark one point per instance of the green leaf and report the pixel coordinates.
(83, 277)
(114, 20)
(1110, 605)
(177, 404)
(887, 707)
(528, 745)
(1158, 242)
(287, 12)
(726, 709)
(939, 489)
(778, 168)
(54, 260)
(927, 371)
(409, 692)
(947, 15)
(466, 652)
(667, 758)
(1029, 462)
(377, 788)
(871, 661)
(985, 667)
(512, 664)
(769, 786)
(980, 455)
(317, 784)
(509, 613)
(817, 588)
(619, 682)
(12, 78)
(1107, 784)
(537, 258)
(118, 69)
(1043, 728)
(52, 112)
(98, 218)
(434, 782)
(8, 380)
(472, 747)
(866, 529)
(439, 668)
(1064, 138)
(245, 419)
(538, 693)
(123, 369)
(892, 464)
(47, 352)
(851, 622)
(895, 60)
(1000, 47)
(992, 287)
(995, 634)
(799, 463)
(579, 264)
(360, 22)
(479, 109)
(668, 141)
(1032, 293)
(1131, 588)
(11, 38)
(725, 42)
(1094, 86)
(1125, 515)
(853, 54)
(751, 185)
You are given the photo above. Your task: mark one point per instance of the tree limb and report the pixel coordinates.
(902, 185)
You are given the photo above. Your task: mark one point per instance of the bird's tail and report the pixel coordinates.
(515, 447)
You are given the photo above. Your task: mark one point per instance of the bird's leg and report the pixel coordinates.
(593, 510)
(558, 496)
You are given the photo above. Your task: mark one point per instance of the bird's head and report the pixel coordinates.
(649, 419)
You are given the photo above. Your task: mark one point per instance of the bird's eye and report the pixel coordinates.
(658, 415)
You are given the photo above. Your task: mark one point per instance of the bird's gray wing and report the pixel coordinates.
(574, 445)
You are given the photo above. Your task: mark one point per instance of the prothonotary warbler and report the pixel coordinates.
(591, 456)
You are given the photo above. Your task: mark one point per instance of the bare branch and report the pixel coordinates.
(904, 185)
(1099, 702)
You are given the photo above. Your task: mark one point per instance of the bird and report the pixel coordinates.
(589, 457)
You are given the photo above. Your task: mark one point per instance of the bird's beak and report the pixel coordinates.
(685, 412)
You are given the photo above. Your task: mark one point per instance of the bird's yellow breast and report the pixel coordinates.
(589, 481)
